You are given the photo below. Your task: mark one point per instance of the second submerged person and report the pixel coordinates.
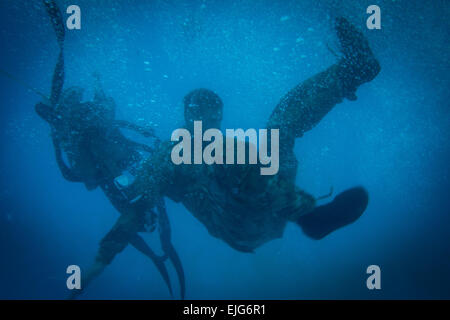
(98, 153)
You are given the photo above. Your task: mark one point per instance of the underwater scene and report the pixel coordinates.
(207, 149)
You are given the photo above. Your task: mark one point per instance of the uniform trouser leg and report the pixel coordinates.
(302, 108)
(299, 111)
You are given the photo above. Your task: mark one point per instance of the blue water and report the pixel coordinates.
(394, 140)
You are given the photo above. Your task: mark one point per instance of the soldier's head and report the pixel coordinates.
(72, 96)
(203, 105)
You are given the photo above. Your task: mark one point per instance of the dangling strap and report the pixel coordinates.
(167, 246)
(325, 196)
(23, 83)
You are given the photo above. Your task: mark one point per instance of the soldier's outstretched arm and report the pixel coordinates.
(146, 131)
(56, 19)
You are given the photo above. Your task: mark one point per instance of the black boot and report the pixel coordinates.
(359, 65)
(345, 209)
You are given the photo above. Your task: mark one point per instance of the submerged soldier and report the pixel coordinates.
(89, 134)
(98, 153)
(235, 202)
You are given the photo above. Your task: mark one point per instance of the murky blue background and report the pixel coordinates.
(394, 140)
